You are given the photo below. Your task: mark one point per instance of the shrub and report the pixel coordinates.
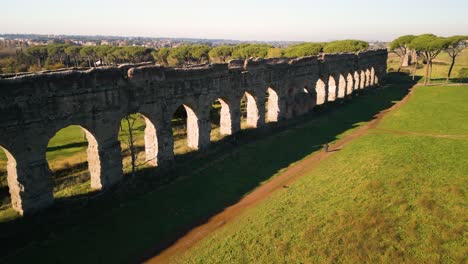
(463, 73)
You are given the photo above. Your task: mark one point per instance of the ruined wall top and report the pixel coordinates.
(150, 71)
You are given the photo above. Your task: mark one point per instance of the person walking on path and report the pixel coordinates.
(325, 147)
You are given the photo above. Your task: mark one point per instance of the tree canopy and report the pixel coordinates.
(245, 51)
(428, 46)
(428, 43)
(221, 53)
(453, 46)
(303, 49)
(349, 45)
(400, 44)
(59, 55)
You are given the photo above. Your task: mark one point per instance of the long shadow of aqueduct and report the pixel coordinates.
(33, 107)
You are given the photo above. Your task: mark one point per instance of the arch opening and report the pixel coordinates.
(8, 179)
(341, 86)
(357, 80)
(220, 120)
(372, 77)
(320, 88)
(362, 84)
(138, 143)
(350, 84)
(368, 78)
(185, 130)
(249, 111)
(331, 89)
(74, 162)
(272, 106)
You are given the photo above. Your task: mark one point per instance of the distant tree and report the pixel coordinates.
(199, 53)
(118, 55)
(454, 46)
(74, 53)
(102, 52)
(39, 53)
(138, 54)
(160, 55)
(89, 52)
(179, 56)
(274, 53)
(220, 53)
(428, 46)
(245, 51)
(303, 49)
(111, 57)
(399, 46)
(348, 45)
(56, 53)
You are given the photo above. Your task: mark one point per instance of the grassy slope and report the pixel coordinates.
(120, 230)
(383, 198)
(440, 110)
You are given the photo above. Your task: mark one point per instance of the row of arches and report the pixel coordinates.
(341, 85)
(190, 129)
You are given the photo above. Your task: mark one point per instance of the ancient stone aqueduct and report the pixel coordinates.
(33, 107)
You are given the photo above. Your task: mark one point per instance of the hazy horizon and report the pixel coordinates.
(242, 20)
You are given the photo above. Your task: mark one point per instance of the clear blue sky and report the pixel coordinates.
(302, 20)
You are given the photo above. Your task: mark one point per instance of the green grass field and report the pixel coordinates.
(121, 227)
(384, 198)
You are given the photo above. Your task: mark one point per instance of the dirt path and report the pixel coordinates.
(276, 184)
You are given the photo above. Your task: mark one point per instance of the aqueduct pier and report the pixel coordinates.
(33, 107)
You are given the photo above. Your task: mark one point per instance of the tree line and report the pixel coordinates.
(55, 56)
(428, 46)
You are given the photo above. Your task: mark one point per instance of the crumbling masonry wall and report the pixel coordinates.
(33, 107)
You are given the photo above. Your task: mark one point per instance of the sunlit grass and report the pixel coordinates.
(384, 198)
(439, 109)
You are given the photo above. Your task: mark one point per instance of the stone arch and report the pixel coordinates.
(341, 86)
(320, 89)
(272, 105)
(151, 142)
(303, 101)
(357, 80)
(372, 77)
(92, 155)
(12, 181)
(150, 139)
(368, 78)
(191, 125)
(221, 114)
(331, 89)
(362, 78)
(349, 84)
(251, 110)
